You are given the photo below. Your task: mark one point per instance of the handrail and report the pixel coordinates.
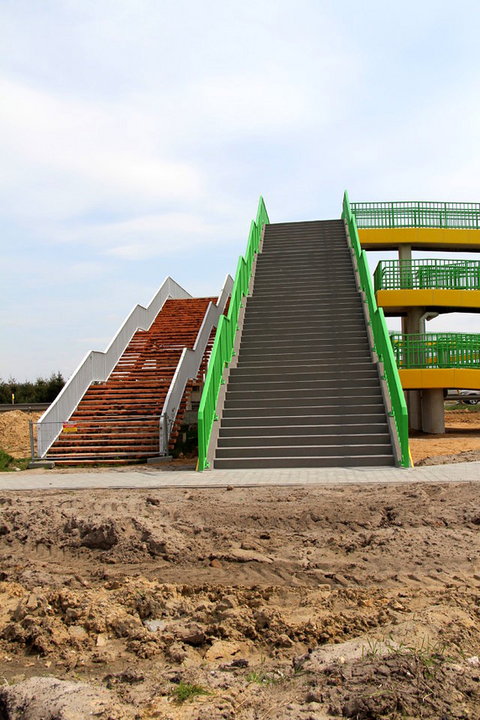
(436, 350)
(189, 365)
(222, 351)
(383, 346)
(97, 366)
(445, 215)
(428, 274)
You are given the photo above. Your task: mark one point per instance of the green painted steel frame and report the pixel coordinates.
(436, 350)
(222, 351)
(459, 216)
(383, 346)
(426, 274)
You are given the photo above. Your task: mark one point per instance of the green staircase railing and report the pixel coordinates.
(383, 346)
(427, 274)
(222, 351)
(458, 216)
(436, 350)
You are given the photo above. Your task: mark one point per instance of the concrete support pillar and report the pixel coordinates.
(433, 411)
(414, 320)
(405, 252)
(414, 323)
(414, 404)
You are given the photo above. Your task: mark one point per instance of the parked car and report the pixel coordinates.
(472, 401)
(467, 397)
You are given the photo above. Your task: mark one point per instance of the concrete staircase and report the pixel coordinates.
(305, 391)
(117, 421)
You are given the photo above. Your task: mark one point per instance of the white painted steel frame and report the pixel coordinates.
(97, 366)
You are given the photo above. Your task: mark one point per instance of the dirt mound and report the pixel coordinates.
(15, 433)
(329, 536)
(52, 699)
(402, 685)
(148, 619)
(243, 604)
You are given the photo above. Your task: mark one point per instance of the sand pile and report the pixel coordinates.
(14, 432)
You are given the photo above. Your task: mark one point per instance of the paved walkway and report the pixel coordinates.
(156, 478)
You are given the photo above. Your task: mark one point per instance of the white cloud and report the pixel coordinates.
(133, 131)
(69, 156)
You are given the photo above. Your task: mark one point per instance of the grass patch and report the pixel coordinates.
(9, 463)
(185, 691)
(263, 678)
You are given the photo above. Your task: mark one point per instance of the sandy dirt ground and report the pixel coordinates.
(15, 432)
(290, 604)
(460, 443)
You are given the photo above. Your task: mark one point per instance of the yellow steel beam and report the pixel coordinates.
(419, 238)
(461, 378)
(454, 299)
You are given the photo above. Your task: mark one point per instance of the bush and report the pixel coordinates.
(43, 390)
(9, 463)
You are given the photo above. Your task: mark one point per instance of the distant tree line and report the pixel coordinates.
(43, 390)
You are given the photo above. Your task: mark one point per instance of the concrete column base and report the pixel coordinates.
(433, 411)
(414, 404)
(414, 321)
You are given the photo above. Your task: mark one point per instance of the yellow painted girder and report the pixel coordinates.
(423, 378)
(419, 238)
(462, 299)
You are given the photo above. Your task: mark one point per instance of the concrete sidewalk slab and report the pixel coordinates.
(146, 478)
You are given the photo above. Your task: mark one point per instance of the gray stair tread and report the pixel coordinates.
(295, 462)
(268, 440)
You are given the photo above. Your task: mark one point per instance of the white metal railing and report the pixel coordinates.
(97, 366)
(189, 365)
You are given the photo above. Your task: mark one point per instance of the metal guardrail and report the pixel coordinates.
(97, 366)
(427, 274)
(222, 350)
(23, 407)
(436, 350)
(189, 365)
(448, 215)
(383, 346)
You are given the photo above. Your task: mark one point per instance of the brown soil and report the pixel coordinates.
(290, 604)
(14, 432)
(460, 442)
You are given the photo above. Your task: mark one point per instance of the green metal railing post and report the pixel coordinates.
(461, 216)
(223, 346)
(383, 346)
(436, 350)
(427, 274)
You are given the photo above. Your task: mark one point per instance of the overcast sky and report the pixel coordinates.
(137, 135)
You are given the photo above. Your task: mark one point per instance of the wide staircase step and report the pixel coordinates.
(305, 391)
(320, 460)
(240, 432)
